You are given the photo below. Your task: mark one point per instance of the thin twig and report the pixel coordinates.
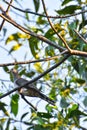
(85, 41)
(78, 103)
(33, 61)
(36, 78)
(28, 102)
(38, 14)
(62, 39)
(3, 80)
(6, 13)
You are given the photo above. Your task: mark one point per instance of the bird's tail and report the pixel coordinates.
(44, 97)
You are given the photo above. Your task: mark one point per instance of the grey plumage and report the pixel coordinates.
(29, 90)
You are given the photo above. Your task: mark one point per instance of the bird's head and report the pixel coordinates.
(14, 73)
(13, 70)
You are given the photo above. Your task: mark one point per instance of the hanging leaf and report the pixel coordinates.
(8, 125)
(66, 2)
(2, 108)
(85, 101)
(6, 69)
(68, 10)
(33, 44)
(75, 112)
(36, 5)
(49, 51)
(44, 115)
(27, 16)
(14, 104)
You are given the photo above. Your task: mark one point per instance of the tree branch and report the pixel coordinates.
(33, 61)
(6, 13)
(62, 39)
(85, 41)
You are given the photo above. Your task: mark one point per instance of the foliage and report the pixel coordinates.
(66, 84)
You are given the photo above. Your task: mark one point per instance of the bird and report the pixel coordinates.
(30, 89)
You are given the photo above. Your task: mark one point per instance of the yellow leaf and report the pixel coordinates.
(6, 113)
(58, 27)
(37, 56)
(66, 92)
(16, 37)
(2, 120)
(15, 47)
(9, 39)
(22, 35)
(38, 67)
(62, 33)
(60, 122)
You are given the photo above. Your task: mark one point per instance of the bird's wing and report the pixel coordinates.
(21, 82)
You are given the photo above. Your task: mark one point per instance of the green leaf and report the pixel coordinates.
(52, 93)
(49, 108)
(75, 112)
(85, 101)
(78, 80)
(15, 128)
(63, 103)
(75, 63)
(8, 125)
(68, 9)
(49, 51)
(44, 115)
(50, 33)
(2, 107)
(40, 120)
(14, 104)
(24, 115)
(41, 20)
(36, 5)
(85, 89)
(6, 69)
(33, 44)
(30, 74)
(66, 2)
(71, 27)
(82, 24)
(27, 16)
